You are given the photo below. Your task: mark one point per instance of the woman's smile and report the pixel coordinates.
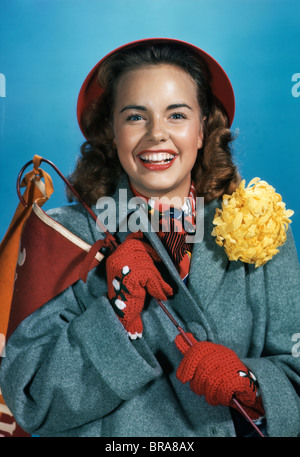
(157, 160)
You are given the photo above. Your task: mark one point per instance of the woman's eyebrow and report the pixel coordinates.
(143, 108)
(178, 105)
(137, 107)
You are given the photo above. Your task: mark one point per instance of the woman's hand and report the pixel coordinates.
(131, 273)
(217, 373)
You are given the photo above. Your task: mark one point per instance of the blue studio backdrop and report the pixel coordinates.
(47, 47)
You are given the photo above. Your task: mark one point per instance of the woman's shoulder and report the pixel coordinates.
(285, 264)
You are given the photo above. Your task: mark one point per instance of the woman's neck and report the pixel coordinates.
(172, 197)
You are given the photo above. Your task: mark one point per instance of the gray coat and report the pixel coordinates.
(71, 370)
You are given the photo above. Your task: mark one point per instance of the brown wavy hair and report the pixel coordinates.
(98, 168)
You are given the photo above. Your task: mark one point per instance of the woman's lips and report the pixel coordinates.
(157, 160)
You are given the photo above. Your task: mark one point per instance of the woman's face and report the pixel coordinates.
(157, 129)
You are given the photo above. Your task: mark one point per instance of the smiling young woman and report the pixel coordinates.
(101, 358)
(99, 167)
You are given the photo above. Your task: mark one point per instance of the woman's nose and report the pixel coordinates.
(157, 131)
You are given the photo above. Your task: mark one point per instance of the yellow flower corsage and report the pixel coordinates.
(252, 223)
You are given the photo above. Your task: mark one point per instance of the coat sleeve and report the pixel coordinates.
(278, 368)
(66, 366)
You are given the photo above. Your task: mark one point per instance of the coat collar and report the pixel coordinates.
(209, 261)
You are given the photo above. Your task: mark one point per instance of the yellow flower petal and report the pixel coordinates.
(252, 222)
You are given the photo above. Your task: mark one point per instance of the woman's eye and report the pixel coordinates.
(134, 117)
(178, 116)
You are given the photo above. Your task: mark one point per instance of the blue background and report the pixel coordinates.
(47, 47)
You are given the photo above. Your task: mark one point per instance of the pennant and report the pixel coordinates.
(36, 191)
(38, 280)
(27, 278)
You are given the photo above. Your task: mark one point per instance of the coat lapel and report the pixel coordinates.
(209, 262)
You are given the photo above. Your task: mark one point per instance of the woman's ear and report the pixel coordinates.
(201, 134)
(200, 140)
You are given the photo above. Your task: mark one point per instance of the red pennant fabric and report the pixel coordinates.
(28, 279)
(36, 279)
(36, 191)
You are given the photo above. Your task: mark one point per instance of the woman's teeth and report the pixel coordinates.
(157, 158)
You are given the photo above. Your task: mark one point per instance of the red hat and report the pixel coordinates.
(220, 83)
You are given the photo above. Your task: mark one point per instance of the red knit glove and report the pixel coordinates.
(216, 372)
(131, 273)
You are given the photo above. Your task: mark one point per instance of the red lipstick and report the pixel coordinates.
(155, 165)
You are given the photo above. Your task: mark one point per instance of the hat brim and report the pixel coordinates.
(220, 83)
